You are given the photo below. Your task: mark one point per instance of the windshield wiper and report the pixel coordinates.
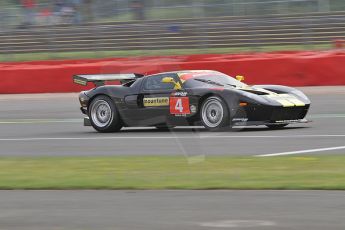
(210, 82)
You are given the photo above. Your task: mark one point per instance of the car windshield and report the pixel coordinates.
(216, 79)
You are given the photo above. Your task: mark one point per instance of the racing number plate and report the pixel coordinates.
(179, 105)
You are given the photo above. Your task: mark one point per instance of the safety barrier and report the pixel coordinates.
(285, 68)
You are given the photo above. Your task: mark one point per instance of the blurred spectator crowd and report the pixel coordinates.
(51, 12)
(57, 12)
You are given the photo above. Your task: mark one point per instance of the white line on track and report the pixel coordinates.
(40, 121)
(276, 136)
(316, 116)
(301, 151)
(196, 136)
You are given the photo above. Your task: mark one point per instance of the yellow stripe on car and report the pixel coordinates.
(286, 100)
(285, 103)
(297, 102)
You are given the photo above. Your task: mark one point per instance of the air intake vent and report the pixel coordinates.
(254, 92)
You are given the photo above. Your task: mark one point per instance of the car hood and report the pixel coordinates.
(264, 96)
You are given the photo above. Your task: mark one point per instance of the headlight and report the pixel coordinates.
(300, 94)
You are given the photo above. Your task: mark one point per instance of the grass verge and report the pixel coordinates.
(173, 172)
(135, 53)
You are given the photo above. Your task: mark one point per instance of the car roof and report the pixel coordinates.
(186, 72)
(185, 75)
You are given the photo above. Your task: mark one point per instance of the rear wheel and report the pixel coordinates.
(103, 115)
(214, 114)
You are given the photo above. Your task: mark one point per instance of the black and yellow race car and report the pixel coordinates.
(187, 98)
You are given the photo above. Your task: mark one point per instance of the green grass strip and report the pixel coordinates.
(173, 172)
(135, 53)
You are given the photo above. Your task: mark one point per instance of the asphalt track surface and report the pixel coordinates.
(172, 210)
(51, 125)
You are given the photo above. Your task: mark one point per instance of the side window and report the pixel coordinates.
(155, 82)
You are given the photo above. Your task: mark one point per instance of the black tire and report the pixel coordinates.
(103, 115)
(214, 114)
(278, 126)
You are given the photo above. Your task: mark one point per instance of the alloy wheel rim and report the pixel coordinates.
(101, 113)
(212, 113)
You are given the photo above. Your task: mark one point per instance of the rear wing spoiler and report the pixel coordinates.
(100, 79)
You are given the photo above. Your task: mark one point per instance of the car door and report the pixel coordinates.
(154, 99)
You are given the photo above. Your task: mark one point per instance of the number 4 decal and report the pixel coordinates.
(179, 105)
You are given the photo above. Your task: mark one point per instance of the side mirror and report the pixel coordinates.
(239, 78)
(170, 80)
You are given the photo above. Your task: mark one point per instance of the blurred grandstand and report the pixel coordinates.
(98, 25)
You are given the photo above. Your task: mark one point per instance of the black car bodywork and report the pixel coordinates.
(149, 101)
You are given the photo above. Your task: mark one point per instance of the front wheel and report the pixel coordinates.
(214, 114)
(103, 115)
